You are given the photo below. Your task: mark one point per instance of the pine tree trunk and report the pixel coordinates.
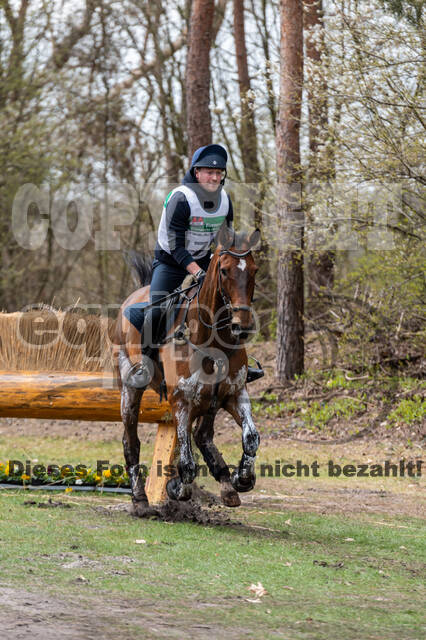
(320, 269)
(247, 137)
(248, 126)
(290, 303)
(199, 127)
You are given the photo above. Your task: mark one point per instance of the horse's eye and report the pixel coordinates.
(224, 272)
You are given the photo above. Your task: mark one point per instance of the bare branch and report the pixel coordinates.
(147, 67)
(62, 51)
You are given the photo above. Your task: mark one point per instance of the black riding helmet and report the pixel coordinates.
(213, 156)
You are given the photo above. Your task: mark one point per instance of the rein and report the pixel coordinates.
(181, 332)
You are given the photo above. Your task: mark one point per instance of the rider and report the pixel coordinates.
(192, 216)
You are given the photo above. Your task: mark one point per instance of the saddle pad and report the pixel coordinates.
(135, 314)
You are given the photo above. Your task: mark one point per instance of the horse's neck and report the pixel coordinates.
(210, 302)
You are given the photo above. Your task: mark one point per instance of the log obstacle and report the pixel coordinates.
(88, 396)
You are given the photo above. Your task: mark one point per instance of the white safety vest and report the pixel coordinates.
(203, 225)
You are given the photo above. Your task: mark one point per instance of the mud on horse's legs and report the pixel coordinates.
(180, 488)
(203, 436)
(130, 403)
(244, 478)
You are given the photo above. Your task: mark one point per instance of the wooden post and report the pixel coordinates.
(164, 452)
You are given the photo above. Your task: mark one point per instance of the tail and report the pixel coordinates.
(140, 266)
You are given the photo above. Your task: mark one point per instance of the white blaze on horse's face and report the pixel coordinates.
(242, 264)
(237, 278)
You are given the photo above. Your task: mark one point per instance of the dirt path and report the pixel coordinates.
(27, 615)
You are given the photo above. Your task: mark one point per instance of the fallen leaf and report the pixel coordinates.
(256, 601)
(288, 521)
(349, 539)
(141, 541)
(258, 589)
(288, 588)
(287, 564)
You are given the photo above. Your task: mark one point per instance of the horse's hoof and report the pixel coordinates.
(176, 490)
(230, 497)
(242, 484)
(187, 472)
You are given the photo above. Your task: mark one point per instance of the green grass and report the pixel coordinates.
(201, 574)
(377, 592)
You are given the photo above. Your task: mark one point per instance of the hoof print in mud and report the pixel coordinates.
(176, 490)
(141, 509)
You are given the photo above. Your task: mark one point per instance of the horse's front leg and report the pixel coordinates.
(238, 405)
(203, 436)
(180, 488)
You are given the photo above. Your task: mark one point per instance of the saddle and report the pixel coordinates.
(169, 308)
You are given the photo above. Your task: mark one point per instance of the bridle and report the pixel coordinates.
(180, 335)
(225, 298)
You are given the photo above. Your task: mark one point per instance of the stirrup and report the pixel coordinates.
(254, 373)
(139, 375)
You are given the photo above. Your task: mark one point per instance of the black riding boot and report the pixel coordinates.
(141, 373)
(254, 373)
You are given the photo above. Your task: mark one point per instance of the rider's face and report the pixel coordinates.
(209, 178)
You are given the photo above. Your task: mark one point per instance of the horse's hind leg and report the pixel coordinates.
(244, 478)
(130, 403)
(203, 436)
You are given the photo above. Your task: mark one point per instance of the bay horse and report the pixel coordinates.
(204, 370)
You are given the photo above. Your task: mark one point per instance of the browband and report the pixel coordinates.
(233, 253)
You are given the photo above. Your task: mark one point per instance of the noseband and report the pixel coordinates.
(226, 322)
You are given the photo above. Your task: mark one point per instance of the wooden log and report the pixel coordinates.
(88, 396)
(71, 396)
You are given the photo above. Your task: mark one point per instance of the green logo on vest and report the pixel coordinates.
(206, 225)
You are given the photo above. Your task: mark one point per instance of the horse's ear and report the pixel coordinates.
(225, 236)
(254, 238)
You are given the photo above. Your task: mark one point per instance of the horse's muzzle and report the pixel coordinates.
(240, 332)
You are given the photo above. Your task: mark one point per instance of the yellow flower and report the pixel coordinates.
(98, 477)
(68, 490)
(6, 471)
(1, 466)
(25, 477)
(107, 473)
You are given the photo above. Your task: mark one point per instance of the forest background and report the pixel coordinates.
(321, 108)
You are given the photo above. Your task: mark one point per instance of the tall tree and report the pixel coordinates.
(199, 126)
(321, 263)
(290, 325)
(247, 133)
